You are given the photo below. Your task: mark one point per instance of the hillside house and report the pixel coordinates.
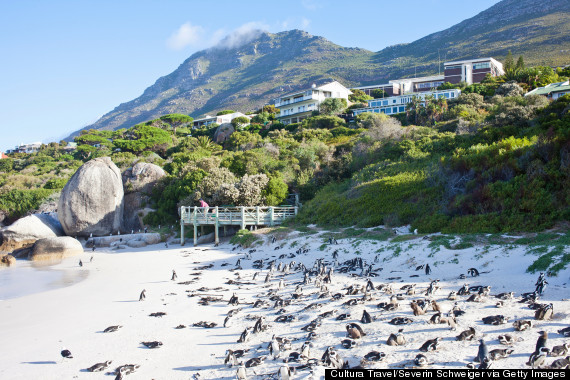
(468, 71)
(397, 104)
(26, 148)
(220, 119)
(552, 91)
(297, 106)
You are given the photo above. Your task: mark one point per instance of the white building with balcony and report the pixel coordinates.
(219, 119)
(298, 105)
(397, 104)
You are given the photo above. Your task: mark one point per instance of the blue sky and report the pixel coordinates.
(66, 63)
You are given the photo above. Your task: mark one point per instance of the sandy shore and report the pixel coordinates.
(35, 328)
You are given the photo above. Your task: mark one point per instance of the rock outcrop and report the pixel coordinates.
(55, 248)
(142, 240)
(138, 183)
(92, 201)
(26, 231)
(223, 132)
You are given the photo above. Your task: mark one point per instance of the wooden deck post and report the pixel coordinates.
(243, 225)
(296, 208)
(216, 234)
(256, 216)
(182, 225)
(271, 216)
(195, 234)
(225, 232)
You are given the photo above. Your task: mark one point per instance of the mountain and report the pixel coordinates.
(246, 74)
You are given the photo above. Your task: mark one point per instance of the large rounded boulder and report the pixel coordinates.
(92, 201)
(223, 132)
(25, 231)
(55, 248)
(138, 183)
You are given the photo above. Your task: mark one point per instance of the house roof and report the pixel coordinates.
(2, 155)
(549, 88)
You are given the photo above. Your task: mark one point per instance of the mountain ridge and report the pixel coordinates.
(246, 76)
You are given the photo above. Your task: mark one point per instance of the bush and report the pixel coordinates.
(332, 106)
(244, 238)
(6, 165)
(323, 122)
(17, 203)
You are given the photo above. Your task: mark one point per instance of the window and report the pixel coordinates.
(482, 65)
(327, 94)
(452, 67)
(383, 110)
(385, 103)
(401, 109)
(446, 94)
(394, 101)
(395, 109)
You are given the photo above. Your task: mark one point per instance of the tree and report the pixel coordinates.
(225, 112)
(323, 122)
(378, 93)
(332, 106)
(379, 126)
(270, 108)
(261, 118)
(358, 96)
(509, 62)
(520, 63)
(240, 122)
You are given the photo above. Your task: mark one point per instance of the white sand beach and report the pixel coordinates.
(34, 328)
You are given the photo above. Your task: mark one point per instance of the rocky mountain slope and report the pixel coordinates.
(248, 76)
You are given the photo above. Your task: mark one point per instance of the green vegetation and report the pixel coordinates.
(245, 238)
(489, 161)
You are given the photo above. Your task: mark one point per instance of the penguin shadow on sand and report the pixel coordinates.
(197, 368)
(41, 362)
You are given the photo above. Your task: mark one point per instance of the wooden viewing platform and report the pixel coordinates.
(235, 216)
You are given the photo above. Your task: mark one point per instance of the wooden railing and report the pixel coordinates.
(242, 216)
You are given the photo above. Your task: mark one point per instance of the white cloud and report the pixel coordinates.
(242, 35)
(305, 23)
(186, 35)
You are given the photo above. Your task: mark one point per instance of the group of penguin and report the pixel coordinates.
(320, 277)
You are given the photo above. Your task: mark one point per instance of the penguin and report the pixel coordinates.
(174, 276)
(375, 356)
(452, 296)
(99, 366)
(416, 309)
(153, 344)
(421, 360)
(354, 331)
(430, 345)
(500, 353)
(466, 335)
(436, 307)
(365, 317)
(505, 296)
(284, 372)
(267, 278)
(240, 373)
(522, 325)
(544, 313)
(112, 329)
(80, 263)
(473, 272)
(396, 339)
(537, 359)
(281, 284)
(565, 331)
(143, 295)
(561, 363)
(258, 327)
(66, 354)
(428, 270)
(233, 300)
(348, 343)
(226, 321)
(306, 350)
(541, 287)
(274, 348)
(540, 278)
(560, 350)
(506, 339)
(435, 319)
(244, 335)
(483, 352)
(230, 359)
(464, 291)
(541, 341)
